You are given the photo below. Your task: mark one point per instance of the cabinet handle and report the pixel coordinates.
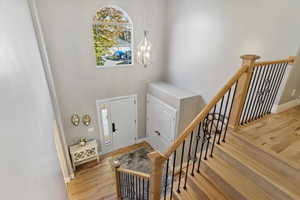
(157, 132)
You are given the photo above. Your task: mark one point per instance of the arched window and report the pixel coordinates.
(112, 34)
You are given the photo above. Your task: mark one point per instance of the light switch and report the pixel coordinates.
(91, 129)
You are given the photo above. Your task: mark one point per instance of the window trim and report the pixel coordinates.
(132, 40)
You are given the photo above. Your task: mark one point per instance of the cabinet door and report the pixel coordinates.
(161, 123)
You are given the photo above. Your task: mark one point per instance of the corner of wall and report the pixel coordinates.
(277, 108)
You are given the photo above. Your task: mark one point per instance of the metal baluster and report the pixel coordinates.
(126, 185)
(211, 125)
(135, 187)
(137, 194)
(139, 179)
(216, 132)
(173, 174)
(224, 115)
(251, 102)
(276, 79)
(196, 149)
(250, 95)
(272, 85)
(263, 88)
(143, 183)
(189, 158)
(224, 137)
(255, 103)
(132, 188)
(147, 189)
(278, 85)
(121, 184)
(139, 186)
(247, 97)
(166, 177)
(181, 162)
(204, 139)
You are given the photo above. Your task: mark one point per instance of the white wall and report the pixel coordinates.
(293, 82)
(29, 168)
(66, 25)
(206, 38)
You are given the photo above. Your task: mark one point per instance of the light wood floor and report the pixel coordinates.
(277, 133)
(96, 181)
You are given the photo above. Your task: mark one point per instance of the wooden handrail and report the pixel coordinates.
(134, 173)
(200, 117)
(290, 60)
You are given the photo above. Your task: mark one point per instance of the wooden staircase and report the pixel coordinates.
(210, 159)
(235, 172)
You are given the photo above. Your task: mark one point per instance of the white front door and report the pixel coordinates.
(123, 118)
(118, 122)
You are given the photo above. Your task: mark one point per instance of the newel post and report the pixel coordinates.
(116, 165)
(242, 90)
(157, 162)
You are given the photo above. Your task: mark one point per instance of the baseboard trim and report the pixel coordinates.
(145, 139)
(69, 178)
(285, 106)
(138, 141)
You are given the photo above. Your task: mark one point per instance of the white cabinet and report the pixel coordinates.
(169, 111)
(161, 123)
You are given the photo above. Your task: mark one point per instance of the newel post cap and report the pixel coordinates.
(250, 57)
(116, 163)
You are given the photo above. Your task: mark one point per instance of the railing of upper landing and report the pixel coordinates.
(131, 184)
(266, 79)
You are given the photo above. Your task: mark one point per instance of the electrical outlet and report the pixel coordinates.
(91, 129)
(293, 92)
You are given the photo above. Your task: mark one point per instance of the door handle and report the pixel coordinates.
(157, 132)
(113, 127)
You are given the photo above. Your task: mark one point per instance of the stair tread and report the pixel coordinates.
(266, 150)
(184, 194)
(239, 182)
(282, 182)
(206, 186)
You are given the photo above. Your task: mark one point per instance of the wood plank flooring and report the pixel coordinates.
(96, 181)
(277, 133)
